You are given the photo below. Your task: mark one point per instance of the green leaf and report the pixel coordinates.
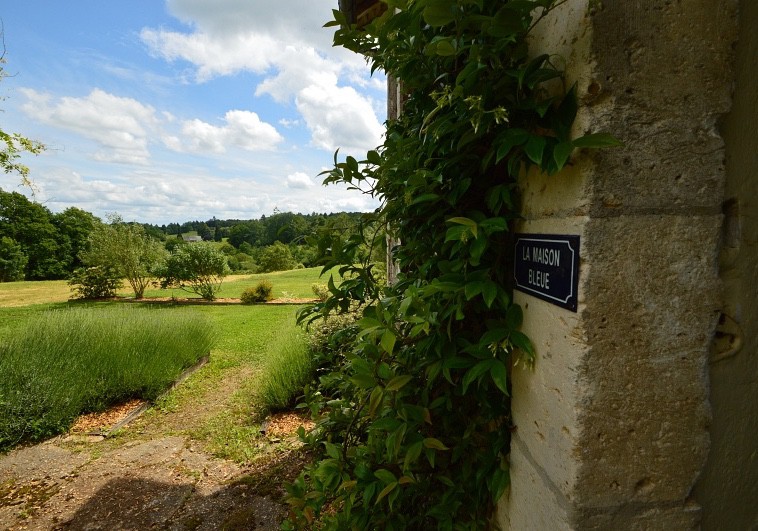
(425, 198)
(375, 400)
(388, 341)
(506, 22)
(412, 454)
(398, 382)
(373, 157)
(331, 450)
(386, 490)
(443, 48)
(456, 233)
(597, 140)
(439, 13)
(514, 316)
(472, 289)
(562, 152)
(385, 476)
(476, 372)
(508, 140)
(522, 342)
(489, 292)
(500, 481)
(436, 444)
(535, 146)
(499, 375)
(496, 335)
(470, 223)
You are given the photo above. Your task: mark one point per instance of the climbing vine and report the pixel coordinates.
(413, 405)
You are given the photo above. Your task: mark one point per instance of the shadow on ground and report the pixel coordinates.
(143, 504)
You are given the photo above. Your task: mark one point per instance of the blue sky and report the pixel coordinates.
(176, 110)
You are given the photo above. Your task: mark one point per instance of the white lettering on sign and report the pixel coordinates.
(541, 255)
(540, 279)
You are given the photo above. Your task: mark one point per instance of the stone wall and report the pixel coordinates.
(613, 422)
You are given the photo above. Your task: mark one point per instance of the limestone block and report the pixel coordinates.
(664, 88)
(650, 310)
(532, 502)
(673, 57)
(634, 517)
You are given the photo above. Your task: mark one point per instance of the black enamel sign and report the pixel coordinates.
(547, 266)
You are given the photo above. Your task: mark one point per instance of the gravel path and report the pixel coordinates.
(155, 478)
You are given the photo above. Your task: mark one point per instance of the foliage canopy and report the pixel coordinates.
(413, 421)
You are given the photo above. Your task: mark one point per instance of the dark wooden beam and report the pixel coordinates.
(361, 12)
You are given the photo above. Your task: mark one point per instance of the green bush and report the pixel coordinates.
(97, 282)
(321, 291)
(73, 361)
(261, 292)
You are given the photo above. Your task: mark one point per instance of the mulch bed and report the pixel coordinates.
(101, 421)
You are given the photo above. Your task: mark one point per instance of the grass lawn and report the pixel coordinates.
(286, 284)
(251, 341)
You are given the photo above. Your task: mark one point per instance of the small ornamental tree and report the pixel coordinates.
(126, 248)
(197, 268)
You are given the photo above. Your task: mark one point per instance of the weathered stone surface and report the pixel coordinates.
(651, 307)
(612, 425)
(666, 67)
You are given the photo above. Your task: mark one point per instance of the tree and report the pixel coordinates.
(76, 225)
(128, 249)
(12, 260)
(276, 257)
(31, 226)
(197, 268)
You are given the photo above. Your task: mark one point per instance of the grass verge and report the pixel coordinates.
(66, 362)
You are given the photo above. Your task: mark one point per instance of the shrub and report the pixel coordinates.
(97, 282)
(321, 291)
(73, 361)
(261, 292)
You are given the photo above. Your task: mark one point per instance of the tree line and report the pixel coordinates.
(37, 244)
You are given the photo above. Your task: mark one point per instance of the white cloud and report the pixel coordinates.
(164, 195)
(299, 180)
(243, 129)
(120, 126)
(294, 53)
(213, 55)
(339, 117)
